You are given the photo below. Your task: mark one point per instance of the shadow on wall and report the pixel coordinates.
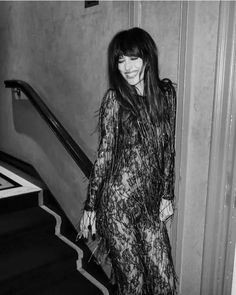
(27, 121)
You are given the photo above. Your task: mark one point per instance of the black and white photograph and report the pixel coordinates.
(118, 147)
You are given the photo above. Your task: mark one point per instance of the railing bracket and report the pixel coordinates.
(16, 93)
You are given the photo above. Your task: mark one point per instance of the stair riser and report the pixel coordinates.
(24, 221)
(17, 203)
(37, 279)
(10, 240)
(33, 257)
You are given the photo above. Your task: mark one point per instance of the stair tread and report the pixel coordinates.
(24, 220)
(71, 283)
(21, 258)
(35, 279)
(75, 284)
(18, 202)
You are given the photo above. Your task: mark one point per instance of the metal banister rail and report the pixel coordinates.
(71, 146)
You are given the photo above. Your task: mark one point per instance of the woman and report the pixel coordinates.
(131, 189)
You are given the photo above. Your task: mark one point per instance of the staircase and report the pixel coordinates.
(35, 258)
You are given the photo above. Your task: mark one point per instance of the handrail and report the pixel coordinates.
(68, 142)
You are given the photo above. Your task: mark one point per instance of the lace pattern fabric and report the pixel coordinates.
(133, 171)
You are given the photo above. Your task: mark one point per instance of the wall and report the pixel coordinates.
(197, 74)
(234, 277)
(60, 49)
(162, 20)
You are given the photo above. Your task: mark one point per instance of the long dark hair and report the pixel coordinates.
(137, 42)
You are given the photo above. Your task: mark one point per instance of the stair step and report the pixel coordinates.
(24, 221)
(34, 281)
(30, 253)
(18, 202)
(75, 284)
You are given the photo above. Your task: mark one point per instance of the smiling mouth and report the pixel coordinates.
(130, 75)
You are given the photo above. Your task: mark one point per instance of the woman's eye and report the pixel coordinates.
(133, 57)
(120, 60)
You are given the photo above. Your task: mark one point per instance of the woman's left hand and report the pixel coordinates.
(88, 219)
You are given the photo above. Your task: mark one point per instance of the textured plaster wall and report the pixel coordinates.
(162, 20)
(202, 24)
(60, 49)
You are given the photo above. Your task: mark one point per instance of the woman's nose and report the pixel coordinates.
(127, 65)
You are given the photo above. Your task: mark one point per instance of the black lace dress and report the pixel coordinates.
(133, 171)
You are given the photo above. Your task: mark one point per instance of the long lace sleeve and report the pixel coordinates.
(107, 115)
(169, 149)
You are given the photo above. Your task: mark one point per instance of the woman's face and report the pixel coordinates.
(132, 70)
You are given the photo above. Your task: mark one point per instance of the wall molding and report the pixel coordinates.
(182, 130)
(218, 207)
(135, 13)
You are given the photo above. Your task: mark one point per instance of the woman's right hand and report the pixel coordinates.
(166, 210)
(88, 219)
